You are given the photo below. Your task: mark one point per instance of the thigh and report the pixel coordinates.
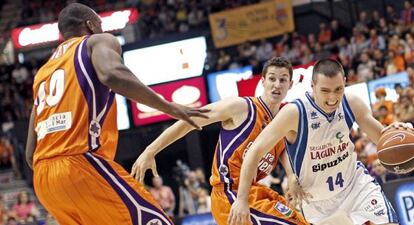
(94, 191)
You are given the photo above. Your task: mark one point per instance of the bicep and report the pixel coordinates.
(363, 116)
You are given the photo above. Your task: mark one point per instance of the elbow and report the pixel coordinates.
(108, 78)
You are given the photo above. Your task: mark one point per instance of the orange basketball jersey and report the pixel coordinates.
(233, 145)
(74, 111)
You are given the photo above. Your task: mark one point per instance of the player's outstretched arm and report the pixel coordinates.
(223, 110)
(105, 53)
(31, 140)
(276, 130)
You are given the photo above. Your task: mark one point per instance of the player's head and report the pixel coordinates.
(328, 84)
(76, 20)
(277, 79)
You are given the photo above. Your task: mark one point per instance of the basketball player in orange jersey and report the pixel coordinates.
(73, 131)
(242, 119)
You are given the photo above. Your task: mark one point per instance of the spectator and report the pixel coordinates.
(376, 41)
(325, 34)
(188, 195)
(201, 178)
(24, 206)
(365, 69)
(384, 116)
(3, 211)
(264, 51)
(204, 201)
(164, 195)
(407, 14)
(20, 74)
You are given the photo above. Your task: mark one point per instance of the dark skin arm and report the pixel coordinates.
(31, 140)
(105, 53)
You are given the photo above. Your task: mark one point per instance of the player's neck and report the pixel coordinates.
(273, 107)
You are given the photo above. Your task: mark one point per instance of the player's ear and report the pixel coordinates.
(89, 26)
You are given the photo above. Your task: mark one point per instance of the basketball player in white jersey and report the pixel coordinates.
(317, 132)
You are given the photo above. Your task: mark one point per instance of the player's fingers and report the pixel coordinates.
(140, 176)
(192, 123)
(230, 218)
(154, 171)
(133, 170)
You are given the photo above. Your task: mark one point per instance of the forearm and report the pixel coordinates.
(247, 174)
(169, 136)
(284, 160)
(31, 141)
(122, 81)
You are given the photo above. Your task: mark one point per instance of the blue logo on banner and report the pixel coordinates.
(404, 197)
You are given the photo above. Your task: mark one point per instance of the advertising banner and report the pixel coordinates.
(49, 32)
(168, 62)
(252, 22)
(401, 195)
(190, 92)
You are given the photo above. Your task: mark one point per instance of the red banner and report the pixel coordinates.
(190, 92)
(45, 33)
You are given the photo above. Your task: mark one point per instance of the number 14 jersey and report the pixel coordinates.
(323, 155)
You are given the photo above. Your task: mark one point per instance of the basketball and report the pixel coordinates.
(396, 150)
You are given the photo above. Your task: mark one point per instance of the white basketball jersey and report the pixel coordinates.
(323, 155)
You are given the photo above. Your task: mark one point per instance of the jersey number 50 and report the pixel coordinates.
(56, 89)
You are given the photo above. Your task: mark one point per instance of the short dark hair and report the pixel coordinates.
(72, 17)
(327, 67)
(278, 62)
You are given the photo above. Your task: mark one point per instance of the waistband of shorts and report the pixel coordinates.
(57, 158)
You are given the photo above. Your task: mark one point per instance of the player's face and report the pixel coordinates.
(276, 84)
(328, 92)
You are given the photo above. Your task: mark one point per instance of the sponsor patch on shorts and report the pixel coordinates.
(283, 209)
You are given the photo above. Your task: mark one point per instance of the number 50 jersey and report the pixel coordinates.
(74, 111)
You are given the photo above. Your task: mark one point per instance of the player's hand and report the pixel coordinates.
(295, 193)
(184, 113)
(239, 213)
(398, 125)
(144, 162)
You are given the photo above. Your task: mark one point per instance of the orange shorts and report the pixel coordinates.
(87, 189)
(266, 206)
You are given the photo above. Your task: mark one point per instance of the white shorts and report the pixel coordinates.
(363, 200)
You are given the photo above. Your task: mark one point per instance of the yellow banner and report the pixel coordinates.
(253, 22)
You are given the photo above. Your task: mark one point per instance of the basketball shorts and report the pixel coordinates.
(363, 200)
(88, 189)
(266, 206)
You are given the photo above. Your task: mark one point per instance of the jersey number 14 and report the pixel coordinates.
(339, 181)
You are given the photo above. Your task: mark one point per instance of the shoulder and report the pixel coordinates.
(234, 103)
(103, 39)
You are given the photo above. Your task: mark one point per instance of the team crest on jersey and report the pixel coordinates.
(314, 115)
(154, 222)
(339, 136)
(95, 128)
(283, 209)
(223, 169)
(316, 125)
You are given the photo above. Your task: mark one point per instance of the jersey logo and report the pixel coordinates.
(283, 209)
(154, 222)
(224, 170)
(340, 116)
(316, 125)
(314, 115)
(95, 129)
(339, 136)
